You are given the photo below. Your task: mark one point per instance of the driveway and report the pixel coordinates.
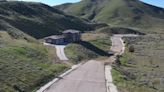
(87, 78)
(60, 52)
(118, 45)
(93, 76)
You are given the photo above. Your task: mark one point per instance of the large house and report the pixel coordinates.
(67, 37)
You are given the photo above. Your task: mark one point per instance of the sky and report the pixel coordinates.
(53, 2)
(159, 3)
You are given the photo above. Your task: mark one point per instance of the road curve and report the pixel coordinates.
(93, 76)
(87, 78)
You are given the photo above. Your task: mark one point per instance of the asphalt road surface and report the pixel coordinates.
(87, 78)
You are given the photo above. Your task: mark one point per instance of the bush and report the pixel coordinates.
(131, 48)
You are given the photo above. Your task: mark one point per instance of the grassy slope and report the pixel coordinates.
(143, 68)
(99, 41)
(25, 64)
(131, 13)
(39, 20)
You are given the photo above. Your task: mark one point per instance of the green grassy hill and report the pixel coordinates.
(25, 64)
(129, 13)
(141, 70)
(39, 20)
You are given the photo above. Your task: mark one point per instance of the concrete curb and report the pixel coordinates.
(123, 48)
(48, 85)
(109, 81)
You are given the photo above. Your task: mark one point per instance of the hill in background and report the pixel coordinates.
(127, 13)
(39, 20)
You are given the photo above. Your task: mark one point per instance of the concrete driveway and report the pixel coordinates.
(93, 76)
(60, 52)
(87, 78)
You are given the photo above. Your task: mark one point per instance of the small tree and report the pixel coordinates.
(131, 48)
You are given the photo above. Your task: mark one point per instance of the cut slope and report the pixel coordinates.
(131, 13)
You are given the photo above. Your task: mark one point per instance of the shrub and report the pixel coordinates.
(131, 48)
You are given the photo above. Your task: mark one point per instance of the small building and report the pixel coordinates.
(72, 35)
(55, 39)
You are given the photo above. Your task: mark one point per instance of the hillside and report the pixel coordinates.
(129, 13)
(39, 20)
(25, 64)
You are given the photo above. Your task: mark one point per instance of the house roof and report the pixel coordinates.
(55, 37)
(71, 31)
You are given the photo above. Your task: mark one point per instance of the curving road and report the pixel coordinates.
(93, 76)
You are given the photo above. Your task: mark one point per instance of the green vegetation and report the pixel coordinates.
(128, 85)
(119, 30)
(77, 53)
(98, 39)
(127, 13)
(143, 68)
(94, 45)
(24, 65)
(38, 20)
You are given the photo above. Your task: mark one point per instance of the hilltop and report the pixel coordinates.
(127, 13)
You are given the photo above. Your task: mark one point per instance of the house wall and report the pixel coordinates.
(72, 37)
(55, 41)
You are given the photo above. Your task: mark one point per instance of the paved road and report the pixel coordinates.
(91, 76)
(87, 78)
(60, 52)
(117, 44)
